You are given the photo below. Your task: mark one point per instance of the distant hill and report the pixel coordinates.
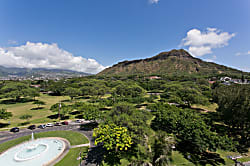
(38, 72)
(175, 61)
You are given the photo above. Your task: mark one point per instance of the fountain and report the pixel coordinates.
(32, 136)
(34, 152)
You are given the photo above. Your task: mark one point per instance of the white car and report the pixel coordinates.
(49, 125)
(78, 121)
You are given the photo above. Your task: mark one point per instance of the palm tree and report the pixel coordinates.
(162, 148)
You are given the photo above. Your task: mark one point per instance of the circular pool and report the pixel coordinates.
(33, 153)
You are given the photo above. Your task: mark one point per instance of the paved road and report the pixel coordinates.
(7, 136)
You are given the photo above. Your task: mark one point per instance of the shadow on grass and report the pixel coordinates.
(37, 108)
(23, 124)
(105, 109)
(74, 113)
(67, 100)
(13, 101)
(2, 125)
(206, 158)
(55, 116)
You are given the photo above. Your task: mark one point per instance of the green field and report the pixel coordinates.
(178, 159)
(71, 157)
(38, 115)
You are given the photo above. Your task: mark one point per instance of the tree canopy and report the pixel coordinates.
(4, 114)
(17, 90)
(189, 129)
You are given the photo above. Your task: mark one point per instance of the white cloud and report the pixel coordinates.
(201, 43)
(200, 51)
(43, 55)
(248, 52)
(153, 1)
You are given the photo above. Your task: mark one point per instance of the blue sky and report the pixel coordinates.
(103, 32)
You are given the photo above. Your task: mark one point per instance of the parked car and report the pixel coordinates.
(78, 121)
(32, 127)
(65, 123)
(14, 129)
(57, 124)
(49, 125)
(42, 126)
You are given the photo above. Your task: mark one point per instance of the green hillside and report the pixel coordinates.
(175, 61)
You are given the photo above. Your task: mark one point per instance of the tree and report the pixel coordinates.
(112, 137)
(61, 109)
(128, 90)
(33, 93)
(4, 114)
(189, 129)
(234, 108)
(90, 112)
(16, 90)
(38, 103)
(125, 115)
(25, 117)
(162, 148)
(72, 92)
(57, 87)
(186, 93)
(115, 139)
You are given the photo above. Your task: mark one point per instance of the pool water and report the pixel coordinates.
(33, 153)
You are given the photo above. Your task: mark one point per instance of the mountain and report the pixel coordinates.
(38, 72)
(175, 61)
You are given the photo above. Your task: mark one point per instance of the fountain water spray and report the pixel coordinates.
(32, 136)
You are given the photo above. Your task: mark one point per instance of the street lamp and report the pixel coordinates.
(80, 157)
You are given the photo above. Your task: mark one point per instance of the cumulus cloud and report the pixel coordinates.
(248, 52)
(43, 55)
(153, 1)
(201, 43)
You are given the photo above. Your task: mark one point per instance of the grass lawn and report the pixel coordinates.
(210, 107)
(38, 116)
(74, 138)
(71, 157)
(244, 158)
(178, 159)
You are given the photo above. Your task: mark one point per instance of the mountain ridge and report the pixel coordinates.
(174, 61)
(26, 72)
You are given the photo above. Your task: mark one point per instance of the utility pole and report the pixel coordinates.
(80, 156)
(60, 105)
